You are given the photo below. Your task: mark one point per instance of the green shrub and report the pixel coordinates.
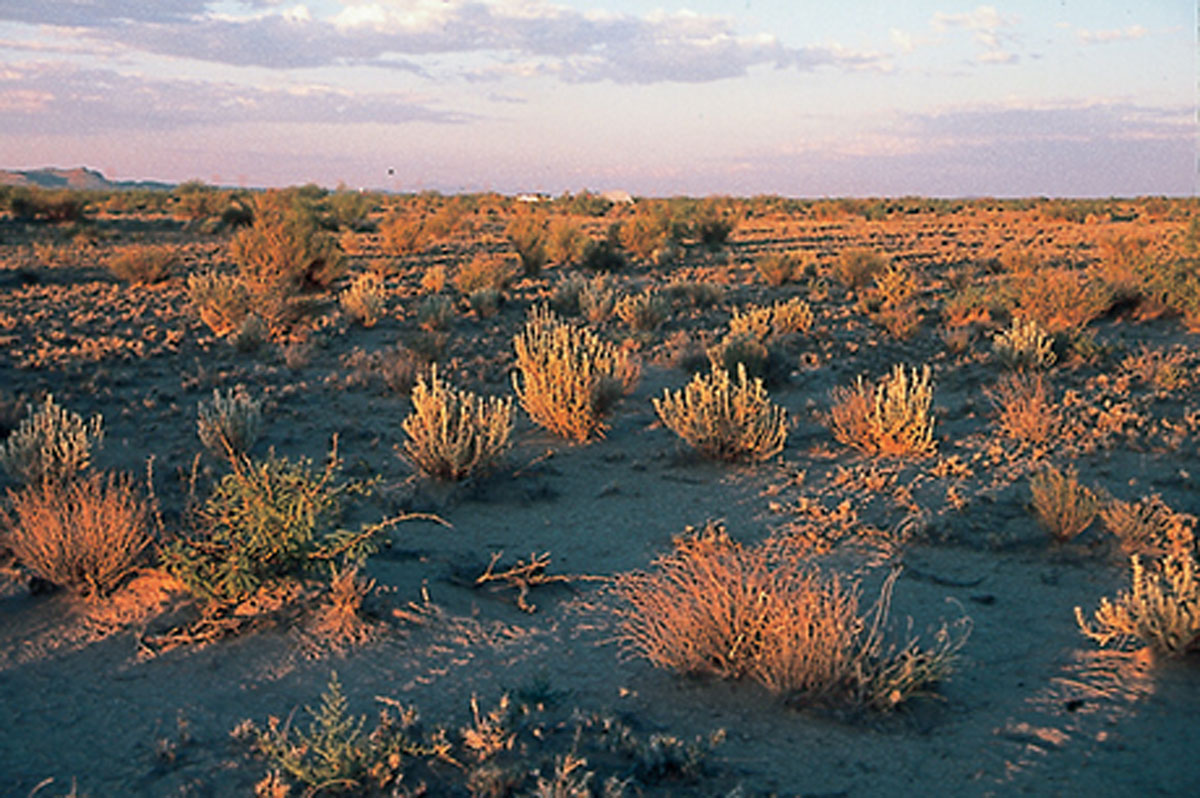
(267, 521)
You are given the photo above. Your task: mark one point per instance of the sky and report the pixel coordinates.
(1069, 98)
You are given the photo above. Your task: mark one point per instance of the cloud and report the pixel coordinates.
(991, 30)
(60, 98)
(545, 37)
(1115, 35)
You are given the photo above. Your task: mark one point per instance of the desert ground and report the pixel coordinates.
(123, 695)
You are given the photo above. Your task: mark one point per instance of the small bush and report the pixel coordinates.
(597, 299)
(1062, 506)
(741, 350)
(364, 300)
(1161, 608)
(603, 255)
(1059, 299)
(1141, 527)
(230, 424)
(896, 285)
(567, 377)
(1024, 345)
(856, 268)
(1024, 410)
(454, 433)
(84, 534)
(642, 312)
(777, 268)
(143, 264)
(891, 417)
(266, 521)
(435, 313)
(714, 606)
(527, 235)
(403, 235)
(486, 272)
(724, 419)
(565, 242)
(220, 300)
(565, 298)
(51, 444)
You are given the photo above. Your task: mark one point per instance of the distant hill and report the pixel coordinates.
(80, 178)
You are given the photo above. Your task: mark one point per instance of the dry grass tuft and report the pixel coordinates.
(339, 621)
(1162, 606)
(1024, 410)
(1062, 505)
(568, 377)
(455, 433)
(724, 419)
(891, 417)
(1024, 345)
(1141, 527)
(714, 606)
(85, 534)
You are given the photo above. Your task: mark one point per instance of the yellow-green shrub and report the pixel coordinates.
(725, 419)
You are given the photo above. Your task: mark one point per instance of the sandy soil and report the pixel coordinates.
(1035, 708)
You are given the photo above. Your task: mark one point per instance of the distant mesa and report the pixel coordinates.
(78, 178)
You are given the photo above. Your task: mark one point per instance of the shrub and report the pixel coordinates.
(1063, 506)
(84, 534)
(350, 208)
(454, 433)
(598, 298)
(714, 606)
(486, 272)
(1024, 411)
(568, 377)
(143, 264)
(603, 255)
(723, 419)
(565, 298)
(856, 267)
(891, 417)
(403, 235)
(777, 268)
(1162, 606)
(230, 424)
(435, 313)
(527, 235)
(647, 232)
(642, 312)
(265, 522)
(1141, 527)
(284, 251)
(1025, 344)
(711, 226)
(971, 304)
(793, 316)
(1059, 299)
(565, 242)
(741, 351)
(364, 300)
(51, 444)
(220, 300)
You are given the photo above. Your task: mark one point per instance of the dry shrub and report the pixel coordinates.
(791, 316)
(339, 622)
(364, 300)
(403, 235)
(715, 606)
(486, 272)
(1062, 506)
(568, 377)
(565, 241)
(896, 285)
(741, 350)
(1024, 410)
(1025, 344)
(1059, 299)
(970, 304)
(284, 251)
(527, 234)
(454, 433)
(85, 534)
(642, 312)
(597, 298)
(1140, 527)
(891, 417)
(50, 444)
(434, 279)
(435, 312)
(1162, 606)
(723, 419)
(855, 267)
(220, 300)
(777, 268)
(565, 296)
(141, 263)
(230, 424)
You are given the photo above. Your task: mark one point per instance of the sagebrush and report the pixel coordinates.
(453, 433)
